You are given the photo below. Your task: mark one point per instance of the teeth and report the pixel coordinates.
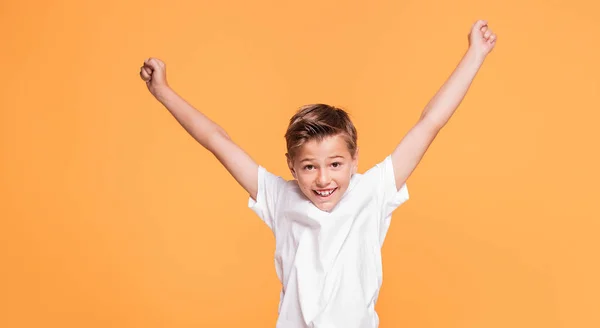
(325, 193)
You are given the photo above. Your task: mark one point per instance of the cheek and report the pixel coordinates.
(304, 180)
(344, 175)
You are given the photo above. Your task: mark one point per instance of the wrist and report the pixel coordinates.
(474, 56)
(163, 93)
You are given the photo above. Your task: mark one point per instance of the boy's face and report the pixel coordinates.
(323, 170)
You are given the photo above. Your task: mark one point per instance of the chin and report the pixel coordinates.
(326, 206)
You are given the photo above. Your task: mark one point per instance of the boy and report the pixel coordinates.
(330, 222)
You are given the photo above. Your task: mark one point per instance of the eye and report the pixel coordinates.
(336, 164)
(309, 167)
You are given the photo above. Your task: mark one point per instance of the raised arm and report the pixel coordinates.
(442, 106)
(209, 134)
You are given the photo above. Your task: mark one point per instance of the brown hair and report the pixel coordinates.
(318, 121)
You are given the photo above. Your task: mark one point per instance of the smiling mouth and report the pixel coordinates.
(325, 194)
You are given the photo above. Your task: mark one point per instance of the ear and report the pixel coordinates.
(290, 163)
(355, 162)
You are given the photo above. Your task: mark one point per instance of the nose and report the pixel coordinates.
(323, 179)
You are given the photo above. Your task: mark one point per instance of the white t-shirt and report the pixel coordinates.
(329, 263)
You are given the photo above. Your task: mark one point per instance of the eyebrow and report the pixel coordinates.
(308, 159)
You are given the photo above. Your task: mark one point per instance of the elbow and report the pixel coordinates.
(432, 122)
(221, 132)
(215, 138)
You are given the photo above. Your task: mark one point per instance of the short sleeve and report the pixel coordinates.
(390, 196)
(270, 189)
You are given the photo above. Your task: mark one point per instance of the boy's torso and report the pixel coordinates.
(329, 263)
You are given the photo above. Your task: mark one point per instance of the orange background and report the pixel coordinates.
(112, 216)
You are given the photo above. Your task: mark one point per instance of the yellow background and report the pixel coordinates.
(112, 216)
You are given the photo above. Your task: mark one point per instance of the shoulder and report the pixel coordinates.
(277, 185)
(374, 180)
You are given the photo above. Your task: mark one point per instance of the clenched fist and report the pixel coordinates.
(154, 73)
(481, 38)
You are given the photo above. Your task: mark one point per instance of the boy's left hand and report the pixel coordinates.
(481, 38)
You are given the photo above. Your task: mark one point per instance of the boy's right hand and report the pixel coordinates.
(154, 73)
(210, 135)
